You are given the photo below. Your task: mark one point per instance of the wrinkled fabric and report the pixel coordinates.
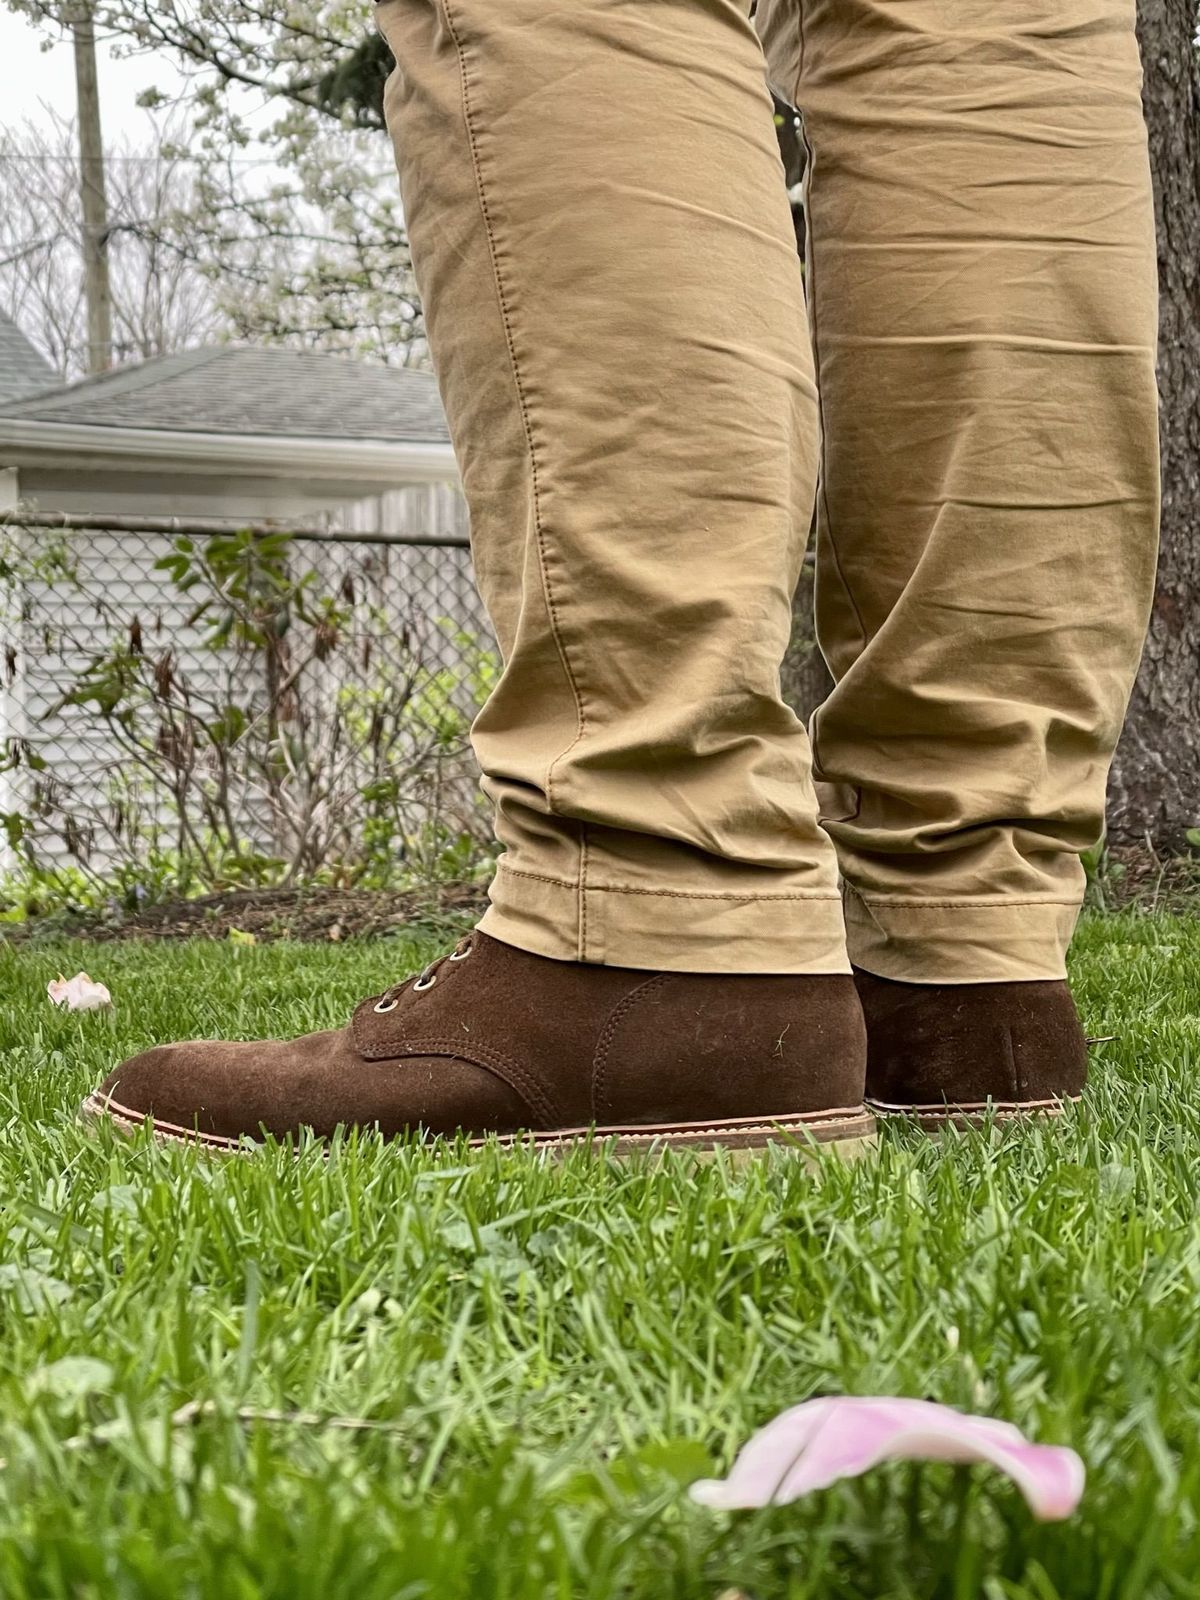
(604, 249)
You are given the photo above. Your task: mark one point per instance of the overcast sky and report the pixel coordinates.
(31, 80)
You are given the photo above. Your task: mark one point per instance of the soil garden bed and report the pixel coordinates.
(309, 913)
(1133, 877)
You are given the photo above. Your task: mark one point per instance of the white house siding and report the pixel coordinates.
(55, 629)
(62, 628)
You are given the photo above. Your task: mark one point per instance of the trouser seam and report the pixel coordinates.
(466, 83)
(798, 13)
(990, 903)
(538, 877)
(751, 897)
(670, 894)
(810, 295)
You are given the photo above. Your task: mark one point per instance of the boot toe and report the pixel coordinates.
(168, 1083)
(225, 1091)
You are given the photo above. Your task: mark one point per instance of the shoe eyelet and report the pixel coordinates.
(382, 1007)
(420, 986)
(460, 955)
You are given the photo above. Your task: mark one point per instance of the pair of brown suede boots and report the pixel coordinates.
(491, 1040)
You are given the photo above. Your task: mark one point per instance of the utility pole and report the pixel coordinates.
(92, 193)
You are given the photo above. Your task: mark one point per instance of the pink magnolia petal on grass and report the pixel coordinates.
(79, 993)
(815, 1444)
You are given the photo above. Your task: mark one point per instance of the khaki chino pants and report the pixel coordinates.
(646, 415)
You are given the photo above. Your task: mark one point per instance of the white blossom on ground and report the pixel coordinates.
(79, 993)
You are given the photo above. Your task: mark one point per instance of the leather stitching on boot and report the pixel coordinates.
(608, 1034)
(495, 1061)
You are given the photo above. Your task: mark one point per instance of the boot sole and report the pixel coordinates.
(847, 1133)
(973, 1115)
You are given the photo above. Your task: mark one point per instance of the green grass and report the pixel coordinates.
(558, 1349)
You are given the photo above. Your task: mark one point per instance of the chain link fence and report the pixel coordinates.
(200, 705)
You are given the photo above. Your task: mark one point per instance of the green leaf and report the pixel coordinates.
(680, 1460)
(684, 1460)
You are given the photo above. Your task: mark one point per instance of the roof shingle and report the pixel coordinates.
(225, 389)
(23, 370)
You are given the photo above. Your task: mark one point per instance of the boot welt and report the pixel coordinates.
(850, 1130)
(973, 1114)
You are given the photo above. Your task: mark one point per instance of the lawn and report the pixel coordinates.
(549, 1353)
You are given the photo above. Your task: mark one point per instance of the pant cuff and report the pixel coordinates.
(960, 941)
(667, 930)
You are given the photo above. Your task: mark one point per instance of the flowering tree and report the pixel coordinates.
(293, 215)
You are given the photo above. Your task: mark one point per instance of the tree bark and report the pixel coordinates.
(804, 678)
(1154, 794)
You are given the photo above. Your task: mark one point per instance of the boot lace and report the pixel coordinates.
(390, 998)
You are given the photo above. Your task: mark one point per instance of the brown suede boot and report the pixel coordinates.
(957, 1052)
(493, 1040)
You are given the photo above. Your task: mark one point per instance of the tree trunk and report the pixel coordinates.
(1155, 790)
(804, 677)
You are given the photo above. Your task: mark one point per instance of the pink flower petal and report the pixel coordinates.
(815, 1444)
(79, 993)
